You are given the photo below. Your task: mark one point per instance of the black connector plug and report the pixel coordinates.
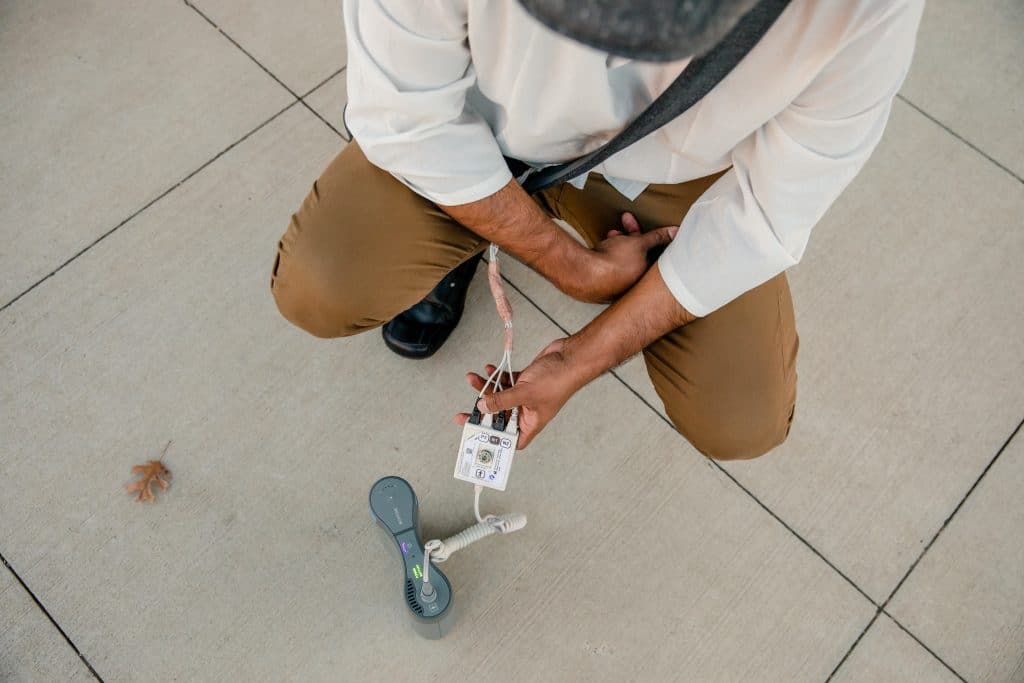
(475, 416)
(499, 421)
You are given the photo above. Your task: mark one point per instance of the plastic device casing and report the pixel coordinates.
(485, 455)
(395, 507)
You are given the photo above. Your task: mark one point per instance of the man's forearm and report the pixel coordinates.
(513, 221)
(647, 311)
(644, 314)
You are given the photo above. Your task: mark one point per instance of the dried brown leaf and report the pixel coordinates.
(153, 472)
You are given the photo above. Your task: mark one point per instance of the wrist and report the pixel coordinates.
(588, 354)
(567, 264)
(647, 312)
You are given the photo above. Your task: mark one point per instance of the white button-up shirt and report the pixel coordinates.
(439, 90)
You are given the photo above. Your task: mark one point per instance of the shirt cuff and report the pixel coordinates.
(674, 282)
(718, 255)
(475, 192)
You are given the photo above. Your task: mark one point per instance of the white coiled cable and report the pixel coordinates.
(438, 551)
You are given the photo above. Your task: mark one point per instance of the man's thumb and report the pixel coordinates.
(503, 400)
(660, 237)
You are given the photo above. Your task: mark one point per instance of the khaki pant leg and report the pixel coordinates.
(728, 380)
(361, 249)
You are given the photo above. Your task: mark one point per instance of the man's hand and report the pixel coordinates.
(617, 263)
(647, 312)
(516, 223)
(540, 391)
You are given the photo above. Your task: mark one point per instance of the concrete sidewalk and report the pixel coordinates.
(152, 154)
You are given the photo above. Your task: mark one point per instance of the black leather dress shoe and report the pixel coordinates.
(420, 331)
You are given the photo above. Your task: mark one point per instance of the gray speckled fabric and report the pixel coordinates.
(649, 30)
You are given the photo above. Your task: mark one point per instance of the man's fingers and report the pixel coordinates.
(506, 379)
(660, 237)
(477, 381)
(460, 419)
(503, 400)
(630, 223)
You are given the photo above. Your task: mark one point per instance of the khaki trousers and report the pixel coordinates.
(363, 248)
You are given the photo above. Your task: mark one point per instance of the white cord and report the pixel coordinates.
(504, 366)
(436, 549)
(477, 489)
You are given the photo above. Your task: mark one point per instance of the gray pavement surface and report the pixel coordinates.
(152, 156)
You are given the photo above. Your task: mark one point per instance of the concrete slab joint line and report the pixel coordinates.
(961, 138)
(959, 505)
(882, 608)
(260, 65)
(136, 125)
(973, 564)
(49, 617)
(314, 91)
(886, 652)
(853, 646)
(323, 82)
(143, 208)
(871, 624)
(242, 49)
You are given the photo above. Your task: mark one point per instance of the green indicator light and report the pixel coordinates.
(417, 571)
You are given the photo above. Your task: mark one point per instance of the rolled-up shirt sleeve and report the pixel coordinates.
(755, 221)
(409, 69)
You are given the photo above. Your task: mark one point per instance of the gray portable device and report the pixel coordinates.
(393, 504)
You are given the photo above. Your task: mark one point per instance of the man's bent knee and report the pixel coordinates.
(319, 302)
(739, 437)
(306, 314)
